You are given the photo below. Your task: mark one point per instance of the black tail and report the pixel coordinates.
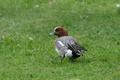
(77, 50)
(83, 48)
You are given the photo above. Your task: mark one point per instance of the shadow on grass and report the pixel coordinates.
(81, 60)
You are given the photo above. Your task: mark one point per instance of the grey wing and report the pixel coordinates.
(61, 48)
(76, 48)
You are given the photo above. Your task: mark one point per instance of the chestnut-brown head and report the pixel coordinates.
(60, 31)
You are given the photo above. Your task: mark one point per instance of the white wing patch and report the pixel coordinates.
(60, 42)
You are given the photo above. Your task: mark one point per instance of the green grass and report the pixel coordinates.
(27, 51)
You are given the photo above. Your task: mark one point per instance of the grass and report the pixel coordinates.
(27, 51)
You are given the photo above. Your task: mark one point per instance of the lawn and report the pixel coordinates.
(27, 51)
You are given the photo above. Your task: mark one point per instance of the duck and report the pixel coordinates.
(66, 45)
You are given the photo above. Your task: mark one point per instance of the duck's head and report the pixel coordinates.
(59, 31)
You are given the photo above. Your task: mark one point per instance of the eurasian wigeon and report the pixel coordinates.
(65, 45)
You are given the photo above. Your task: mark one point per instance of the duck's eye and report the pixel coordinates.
(57, 30)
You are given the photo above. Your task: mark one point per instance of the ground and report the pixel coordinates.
(27, 51)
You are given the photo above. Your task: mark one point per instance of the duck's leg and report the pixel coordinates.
(61, 58)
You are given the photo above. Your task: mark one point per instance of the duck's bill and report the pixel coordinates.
(51, 34)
